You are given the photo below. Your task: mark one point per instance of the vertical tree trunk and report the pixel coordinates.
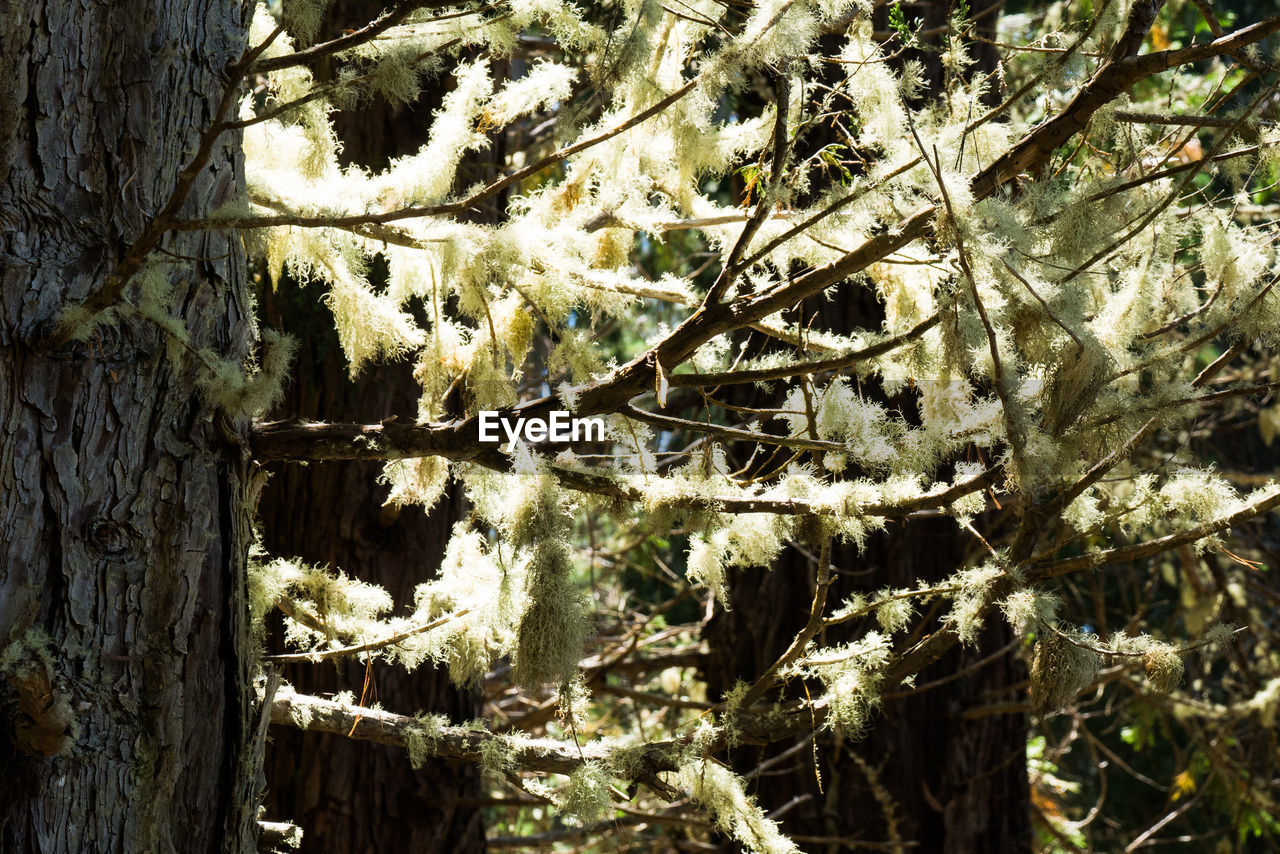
(353, 797)
(347, 796)
(924, 772)
(125, 697)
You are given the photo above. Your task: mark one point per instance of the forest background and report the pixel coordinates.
(936, 343)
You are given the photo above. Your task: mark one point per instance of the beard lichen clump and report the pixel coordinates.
(736, 813)
(1060, 669)
(851, 675)
(421, 739)
(553, 628)
(1163, 667)
(586, 796)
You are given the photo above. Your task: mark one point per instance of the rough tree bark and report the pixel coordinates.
(125, 512)
(348, 796)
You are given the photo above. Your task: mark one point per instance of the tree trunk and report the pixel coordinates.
(348, 796)
(351, 797)
(923, 772)
(126, 697)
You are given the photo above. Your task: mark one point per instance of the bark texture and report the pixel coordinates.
(125, 698)
(351, 797)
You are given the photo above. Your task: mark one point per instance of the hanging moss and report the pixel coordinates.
(1060, 669)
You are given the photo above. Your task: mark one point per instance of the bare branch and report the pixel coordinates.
(732, 434)
(1162, 119)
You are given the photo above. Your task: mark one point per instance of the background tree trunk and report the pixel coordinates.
(923, 772)
(352, 797)
(124, 692)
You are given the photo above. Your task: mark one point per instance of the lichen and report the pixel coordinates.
(421, 737)
(1061, 667)
(736, 813)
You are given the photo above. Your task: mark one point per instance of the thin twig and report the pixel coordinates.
(372, 646)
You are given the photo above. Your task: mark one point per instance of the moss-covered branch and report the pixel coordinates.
(429, 737)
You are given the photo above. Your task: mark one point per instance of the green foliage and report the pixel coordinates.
(898, 23)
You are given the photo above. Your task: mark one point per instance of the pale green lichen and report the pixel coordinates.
(497, 755)
(723, 794)
(1266, 702)
(850, 674)
(893, 610)
(1025, 610)
(971, 600)
(227, 385)
(626, 761)
(420, 480)
(470, 301)
(552, 628)
(32, 647)
(1061, 668)
(300, 715)
(267, 581)
(1074, 384)
(77, 323)
(421, 738)
(1163, 667)
(586, 796)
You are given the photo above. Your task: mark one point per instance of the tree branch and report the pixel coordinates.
(347, 41)
(834, 363)
(1043, 570)
(1107, 83)
(347, 221)
(371, 646)
(297, 441)
(453, 742)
